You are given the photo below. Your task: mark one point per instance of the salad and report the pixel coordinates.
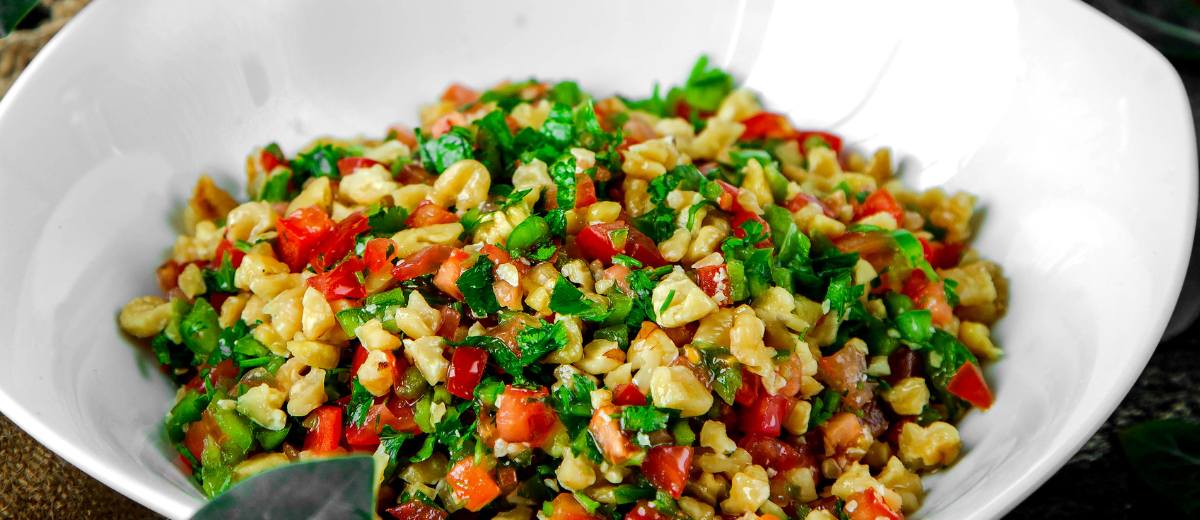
(541, 303)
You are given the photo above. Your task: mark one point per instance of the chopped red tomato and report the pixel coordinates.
(326, 431)
(348, 165)
(667, 468)
(450, 320)
(299, 233)
(167, 275)
(751, 387)
(567, 508)
(466, 370)
(448, 273)
(523, 415)
(472, 484)
(226, 247)
(781, 456)
(602, 241)
(378, 416)
(809, 139)
(941, 255)
(585, 191)
(221, 376)
(459, 95)
(968, 383)
(765, 417)
(880, 202)
(843, 371)
(199, 431)
(446, 122)
(928, 295)
(842, 432)
(495, 254)
(428, 214)
(803, 199)
(606, 431)
(871, 246)
(416, 510)
(637, 130)
(339, 242)
(868, 504)
(628, 395)
(423, 262)
(403, 134)
(413, 173)
(341, 281)
(765, 125)
(270, 160)
(714, 280)
(380, 254)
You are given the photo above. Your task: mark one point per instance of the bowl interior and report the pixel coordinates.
(1074, 134)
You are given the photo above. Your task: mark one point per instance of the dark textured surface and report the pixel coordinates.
(1097, 482)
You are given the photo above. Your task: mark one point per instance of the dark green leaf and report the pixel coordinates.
(220, 280)
(12, 12)
(360, 403)
(318, 162)
(658, 223)
(495, 142)
(439, 154)
(200, 329)
(566, 92)
(476, 286)
(386, 220)
(705, 87)
(563, 174)
(336, 488)
(569, 300)
(538, 341)
(559, 127)
(644, 418)
(943, 356)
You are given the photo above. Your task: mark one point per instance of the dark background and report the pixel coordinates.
(1097, 482)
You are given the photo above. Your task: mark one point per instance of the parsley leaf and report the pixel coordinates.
(626, 261)
(644, 418)
(842, 293)
(823, 407)
(318, 162)
(560, 125)
(951, 287)
(683, 177)
(563, 174)
(658, 223)
(653, 104)
(392, 440)
(573, 403)
(386, 220)
(566, 92)
(569, 300)
(538, 341)
(495, 145)
(360, 403)
(705, 87)
(476, 286)
(438, 154)
(220, 280)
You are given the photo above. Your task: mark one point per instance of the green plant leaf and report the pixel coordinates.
(1166, 455)
(323, 489)
(12, 12)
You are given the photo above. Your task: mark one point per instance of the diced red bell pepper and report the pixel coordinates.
(466, 370)
(428, 214)
(448, 273)
(728, 200)
(803, 199)
(380, 254)
(928, 295)
(223, 248)
(968, 383)
(585, 191)
(338, 243)
(751, 388)
(765, 125)
(869, 505)
(741, 217)
(523, 416)
(714, 279)
(941, 255)
(378, 416)
(626, 394)
(667, 468)
(348, 165)
(459, 95)
(880, 202)
(323, 437)
(765, 417)
(835, 142)
(416, 510)
(342, 281)
(472, 484)
(299, 233)
(423, 262)
(596, 242)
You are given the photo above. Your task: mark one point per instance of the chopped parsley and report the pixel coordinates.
(476, 286)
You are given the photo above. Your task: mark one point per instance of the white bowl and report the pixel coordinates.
(1076, 136)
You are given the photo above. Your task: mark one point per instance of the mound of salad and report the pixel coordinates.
(541, 303)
